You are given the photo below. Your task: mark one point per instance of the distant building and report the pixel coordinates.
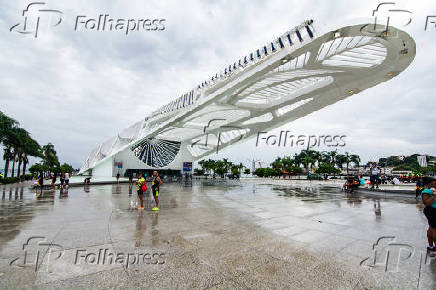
(422, 160)
(351, 171)
(386, 170)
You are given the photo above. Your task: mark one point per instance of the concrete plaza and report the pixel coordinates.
(213, 234)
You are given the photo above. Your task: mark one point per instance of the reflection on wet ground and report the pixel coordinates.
(214, 233)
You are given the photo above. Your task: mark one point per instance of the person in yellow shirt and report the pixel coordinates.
(155, 183)
(141, 187)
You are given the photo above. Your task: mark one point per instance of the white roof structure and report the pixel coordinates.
(293, 75)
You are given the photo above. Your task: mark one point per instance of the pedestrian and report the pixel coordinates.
(41, 180)
(155, 183)
(130, 178)
(362, 180)
(374, 177)
(428, 198)
(118, 177)
(141, 188)
(53, 180)
(62, 180)
(67, 180)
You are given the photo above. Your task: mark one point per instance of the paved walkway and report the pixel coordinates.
(220, 234)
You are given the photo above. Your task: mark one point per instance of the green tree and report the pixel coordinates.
(36, 168)
(66, 168)
(17, 143)
(50, 156)
(308, 157)
(278, 163)
(260, 172)
(327, 168)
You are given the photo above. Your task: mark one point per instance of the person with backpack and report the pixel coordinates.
(141, 188)
(428, 198)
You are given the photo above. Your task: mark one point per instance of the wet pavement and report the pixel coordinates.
(213, 234)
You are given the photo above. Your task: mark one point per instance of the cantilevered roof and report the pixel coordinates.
(295, 74)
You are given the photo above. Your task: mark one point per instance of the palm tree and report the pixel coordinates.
(277, 164)
(18, 139)
(340, 160)
(210, 165)
(29, 147)
(297, 160)
(308, 157)
(240, 167)
(325, 157)
(351, 158)
(50, 156)
(333, 155)
(287, 162)
(20, 160)
(17, 143)
(202, 163)
(220, 167)
(10, 140)
(7, 156)
(6, 125)
(20, 146)
(227, 165)
(14, 159)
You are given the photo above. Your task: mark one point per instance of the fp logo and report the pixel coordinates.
(221, 138)
(387, 11)
(34, 251)
(34, 16)
(388, 254)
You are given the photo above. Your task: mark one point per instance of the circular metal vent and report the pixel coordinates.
(155, 152)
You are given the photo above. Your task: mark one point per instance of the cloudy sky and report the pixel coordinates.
(78, 88)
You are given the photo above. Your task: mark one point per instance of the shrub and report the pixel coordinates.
(198, 171)
(9, 180)
(27, 176)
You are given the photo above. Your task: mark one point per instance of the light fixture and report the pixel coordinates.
(350, 92)
(389, 74)
(336, 34)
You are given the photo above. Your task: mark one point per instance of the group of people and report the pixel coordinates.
(63, 177)
(141, 188)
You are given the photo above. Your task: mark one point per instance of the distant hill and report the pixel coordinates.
(403, 162)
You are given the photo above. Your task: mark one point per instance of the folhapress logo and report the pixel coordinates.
(34, 16)
(107, 23)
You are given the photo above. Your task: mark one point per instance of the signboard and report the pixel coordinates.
(187, 166)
